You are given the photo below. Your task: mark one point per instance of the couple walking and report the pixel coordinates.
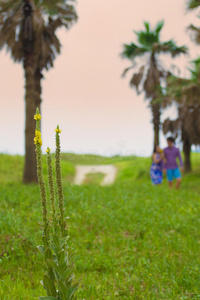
(165, 161)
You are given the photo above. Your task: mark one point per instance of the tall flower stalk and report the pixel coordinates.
(58, 279)
(51, 184)
(59, 181)
(38, 143)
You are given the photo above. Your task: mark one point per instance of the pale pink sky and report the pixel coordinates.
(85, 94)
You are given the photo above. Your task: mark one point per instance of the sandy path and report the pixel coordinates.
(110, 172)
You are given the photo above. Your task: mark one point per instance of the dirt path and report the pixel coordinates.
(109, 171)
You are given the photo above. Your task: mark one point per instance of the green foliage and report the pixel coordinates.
(149, 42)
(148, 37)
(131, 51)
(94, 178)
(159, 26)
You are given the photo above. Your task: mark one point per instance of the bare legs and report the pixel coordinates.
(178, 183)
(170, 184)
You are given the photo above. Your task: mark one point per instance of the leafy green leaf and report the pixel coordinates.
(48, 254)
(64, 240)
(56, 241)
(72, 290)
(54, 265)
(41, 249)
(63, 289)
(51, 272)
(49, 285)
(42, 266)
(45, 241)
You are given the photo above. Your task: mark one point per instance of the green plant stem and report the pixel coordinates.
(51, 185)
(42, 187)
(59, 183)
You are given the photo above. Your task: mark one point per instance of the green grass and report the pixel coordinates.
(94, 178)
(132, 240)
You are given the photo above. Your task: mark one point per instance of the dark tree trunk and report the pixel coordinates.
(187, 159)
(30, 167)
(33, 101)
(38, 88)
(155, 107)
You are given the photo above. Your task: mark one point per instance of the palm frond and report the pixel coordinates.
(172, 126)
(183, 90)
(147, 26)
(9, 6)
(137, 78)
(195, 33)
(148, 42)
(152, 81)
(146, 39)
(192, 4)
(159, 26)
(48, 15)
(126, 70)
(132, 50)
(171, 48)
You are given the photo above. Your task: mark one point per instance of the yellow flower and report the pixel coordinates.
(48, 150)
(37, 117)
(58, 130)
(38, 139)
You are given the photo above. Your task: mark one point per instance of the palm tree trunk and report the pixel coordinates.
(155, 108)
(38, 89)
(30, 167)
(187, 152)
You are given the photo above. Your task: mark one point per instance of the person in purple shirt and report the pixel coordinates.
(171, 153)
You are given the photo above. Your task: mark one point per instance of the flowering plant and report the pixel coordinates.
(58, 278)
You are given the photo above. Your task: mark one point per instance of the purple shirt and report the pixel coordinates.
(171, 154)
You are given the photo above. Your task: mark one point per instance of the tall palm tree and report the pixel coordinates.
(151, 75)
(185, 93)
(28, 31)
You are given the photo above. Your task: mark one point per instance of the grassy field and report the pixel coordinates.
(132, 240)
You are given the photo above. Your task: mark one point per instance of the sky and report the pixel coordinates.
(84, 93)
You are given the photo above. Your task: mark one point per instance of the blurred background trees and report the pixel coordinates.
(185, 92)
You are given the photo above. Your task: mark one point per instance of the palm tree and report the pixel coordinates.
(28, 31)
(151, 75)
(185, 93)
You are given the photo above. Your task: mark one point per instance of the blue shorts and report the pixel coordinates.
(173, 173)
